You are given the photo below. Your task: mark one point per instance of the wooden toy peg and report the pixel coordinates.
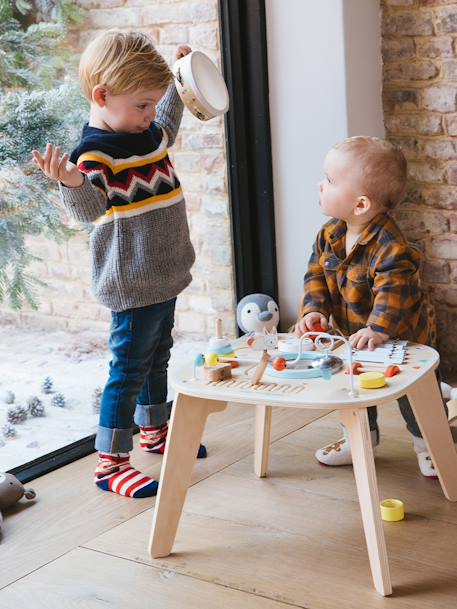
(218, 328)
(260, 370)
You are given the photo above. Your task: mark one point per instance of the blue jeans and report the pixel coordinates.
(136, 390)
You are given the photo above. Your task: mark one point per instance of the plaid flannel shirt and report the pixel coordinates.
(377, 284)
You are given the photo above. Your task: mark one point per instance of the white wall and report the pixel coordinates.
(325, 84)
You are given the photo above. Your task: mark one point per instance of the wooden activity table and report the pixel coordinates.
(196, 399)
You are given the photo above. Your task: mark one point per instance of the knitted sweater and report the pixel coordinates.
(140, 244)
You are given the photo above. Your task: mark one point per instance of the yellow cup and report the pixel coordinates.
(392, 510)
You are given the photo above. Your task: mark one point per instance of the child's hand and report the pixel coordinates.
(182, 51)
(307, 323)
(58, 168)
(366, 337)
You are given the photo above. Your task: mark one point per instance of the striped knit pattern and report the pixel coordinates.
(154, 439)
(114, 473)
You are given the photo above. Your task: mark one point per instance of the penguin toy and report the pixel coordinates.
(257, 313)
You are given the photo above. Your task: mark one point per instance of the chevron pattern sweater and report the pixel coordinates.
(140, 244)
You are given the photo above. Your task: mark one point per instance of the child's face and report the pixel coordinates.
(131, 112)
(338, 189)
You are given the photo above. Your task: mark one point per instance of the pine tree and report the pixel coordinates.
(39, 102)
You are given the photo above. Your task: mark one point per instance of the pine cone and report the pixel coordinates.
(9, 431)
(47, 385)
(9, 397)
(35, 406)
(16, 414)
(96, 399)
(58, 400)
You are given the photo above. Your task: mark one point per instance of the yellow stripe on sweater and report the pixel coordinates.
(92, 156)
(139, 207)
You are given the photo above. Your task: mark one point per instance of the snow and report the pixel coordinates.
(77, 363)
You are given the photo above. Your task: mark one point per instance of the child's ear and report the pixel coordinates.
(363, 205)
(99, 95)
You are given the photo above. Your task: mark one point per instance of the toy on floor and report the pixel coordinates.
(392, 510)
(11, 490)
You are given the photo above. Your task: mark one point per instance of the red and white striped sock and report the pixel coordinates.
(114, 473)
(154, 439)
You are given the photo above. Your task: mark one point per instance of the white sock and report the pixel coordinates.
(423, 458)
(339, 453)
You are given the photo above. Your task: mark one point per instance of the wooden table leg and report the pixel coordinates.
(426, 402)
(262, 439)
(356, 423)
(187, 423)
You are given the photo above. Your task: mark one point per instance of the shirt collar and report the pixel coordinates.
(376, 224)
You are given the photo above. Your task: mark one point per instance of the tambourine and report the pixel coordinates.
(200, 86)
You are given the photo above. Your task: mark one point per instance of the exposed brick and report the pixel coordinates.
(418, 224)
(394, 49)
(395, 99)
(450, 70)
(452, 173)
(444, 247)
(435, 271)
(444, 197)
(174, 35)
(451, 124)
(453, 267)
(413, 124)
(400, 2)
(204, 35)
(426, 172)
(409, 146)
(446, 20)
(435, 2)
(444, 150)
(440, 98)
(410, 70)
(104, 18)
(408, 24)
(437, 47)
(453, 223)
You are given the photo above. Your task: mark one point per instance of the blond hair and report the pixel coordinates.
(383, 168)
(123, 61)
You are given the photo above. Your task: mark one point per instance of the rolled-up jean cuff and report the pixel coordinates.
(114, 440)
(151, 415)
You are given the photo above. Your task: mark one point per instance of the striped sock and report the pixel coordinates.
(154, 439)
(114, 473)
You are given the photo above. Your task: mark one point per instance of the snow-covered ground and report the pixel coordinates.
(77, 364)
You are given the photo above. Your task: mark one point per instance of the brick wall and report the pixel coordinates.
(420, 106)
(199, 158)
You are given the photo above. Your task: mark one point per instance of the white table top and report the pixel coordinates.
(307, 393)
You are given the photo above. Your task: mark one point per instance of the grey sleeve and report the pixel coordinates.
(84, 203)
(169, 113)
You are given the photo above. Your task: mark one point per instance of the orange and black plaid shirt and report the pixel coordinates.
(377, 284)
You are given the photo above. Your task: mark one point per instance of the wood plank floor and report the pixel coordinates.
(293, 539)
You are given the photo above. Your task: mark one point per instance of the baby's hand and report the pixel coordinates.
(58, 168)
(307, 323)
(366, 337)
(182, 51)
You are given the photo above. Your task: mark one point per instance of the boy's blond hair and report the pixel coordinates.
(383, 168)
(123, 61)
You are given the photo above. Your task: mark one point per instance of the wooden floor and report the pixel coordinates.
(292, 540)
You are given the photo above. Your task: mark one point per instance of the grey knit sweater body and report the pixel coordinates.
(140, 243)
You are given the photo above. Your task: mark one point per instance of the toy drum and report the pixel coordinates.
(201, 86)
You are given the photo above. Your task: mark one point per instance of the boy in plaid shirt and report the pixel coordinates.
(363, 273)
